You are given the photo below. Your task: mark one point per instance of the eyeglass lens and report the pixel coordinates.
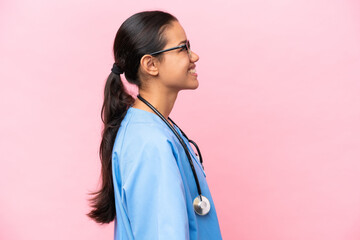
(188, 48)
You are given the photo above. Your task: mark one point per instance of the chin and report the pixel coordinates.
(197, 85)
(194, 83)
(193, 86)
(189, 85)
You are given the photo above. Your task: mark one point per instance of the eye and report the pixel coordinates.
(182, 48)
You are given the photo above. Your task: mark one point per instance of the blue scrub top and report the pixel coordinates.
(154, 185)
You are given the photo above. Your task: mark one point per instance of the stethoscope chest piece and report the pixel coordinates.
(201, 207)
(201, 204)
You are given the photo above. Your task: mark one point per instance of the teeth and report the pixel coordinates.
(192, 70)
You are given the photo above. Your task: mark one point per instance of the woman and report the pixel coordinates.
(153, 185)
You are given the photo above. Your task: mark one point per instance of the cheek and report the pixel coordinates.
(182, 66)
(176, 69)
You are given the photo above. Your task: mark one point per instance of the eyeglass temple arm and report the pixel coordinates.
(161, 51)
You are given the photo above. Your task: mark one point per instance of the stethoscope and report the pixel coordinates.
(201, 204)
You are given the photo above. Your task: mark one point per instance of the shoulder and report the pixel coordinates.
(143, 131)
(143, 126)
(144, 144)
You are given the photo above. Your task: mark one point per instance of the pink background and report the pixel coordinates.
(276, 115)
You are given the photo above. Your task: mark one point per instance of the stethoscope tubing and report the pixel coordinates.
(191, 141)
(180, 140)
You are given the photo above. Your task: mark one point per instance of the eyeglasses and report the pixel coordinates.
(185, 46)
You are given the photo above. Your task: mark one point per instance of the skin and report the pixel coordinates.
(162, 81)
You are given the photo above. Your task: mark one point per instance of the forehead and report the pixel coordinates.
(174, 34)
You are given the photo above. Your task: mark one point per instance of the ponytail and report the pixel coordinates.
(140, 34)
(116, 103)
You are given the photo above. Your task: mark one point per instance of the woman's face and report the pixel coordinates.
(174, 69)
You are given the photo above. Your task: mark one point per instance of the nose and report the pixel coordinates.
(194, 57)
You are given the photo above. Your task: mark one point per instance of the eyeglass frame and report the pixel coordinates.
(186, 45)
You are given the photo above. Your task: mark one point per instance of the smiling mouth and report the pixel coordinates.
(192, 71)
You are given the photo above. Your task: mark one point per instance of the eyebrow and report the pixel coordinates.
(184, 41)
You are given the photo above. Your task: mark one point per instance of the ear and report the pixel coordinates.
(149, 65)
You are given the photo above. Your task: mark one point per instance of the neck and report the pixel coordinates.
(162, 101)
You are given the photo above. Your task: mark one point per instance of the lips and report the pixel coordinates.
(192, 69)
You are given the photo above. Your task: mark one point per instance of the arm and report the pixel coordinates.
(155, 195)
